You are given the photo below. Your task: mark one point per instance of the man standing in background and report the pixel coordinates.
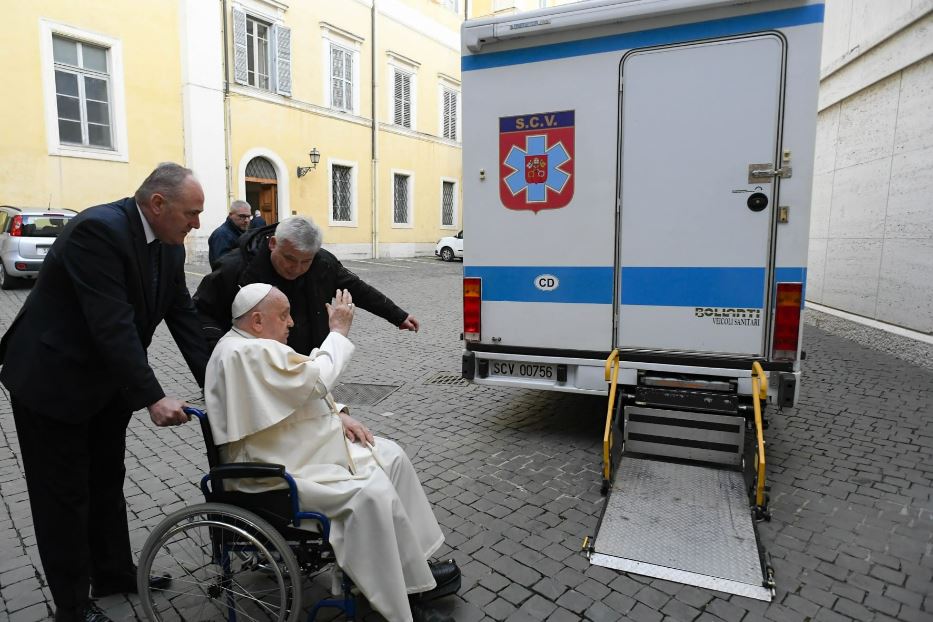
(225, 237)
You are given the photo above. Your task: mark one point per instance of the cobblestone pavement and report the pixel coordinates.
(514, 478)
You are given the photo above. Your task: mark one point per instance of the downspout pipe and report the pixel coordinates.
(228, 155)
(374, 173)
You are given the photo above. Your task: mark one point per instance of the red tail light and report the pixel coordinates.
(16, 229)
(787, 310)
(472, 303)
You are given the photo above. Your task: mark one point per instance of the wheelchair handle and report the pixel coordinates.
(191, 411)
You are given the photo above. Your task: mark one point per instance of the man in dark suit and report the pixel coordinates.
(74, 362)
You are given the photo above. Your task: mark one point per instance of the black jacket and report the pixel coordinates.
(223, 239)
(80, 338)
(307, 294)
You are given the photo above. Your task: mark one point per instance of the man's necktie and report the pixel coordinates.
(155, 248)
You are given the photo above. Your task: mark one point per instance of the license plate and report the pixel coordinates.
(42, 250)
(522, 370)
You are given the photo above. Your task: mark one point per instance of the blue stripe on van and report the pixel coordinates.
(809, 14)
(693, 287)
(592, 284)
(650, 286)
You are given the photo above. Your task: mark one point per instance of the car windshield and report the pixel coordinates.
(43, 225)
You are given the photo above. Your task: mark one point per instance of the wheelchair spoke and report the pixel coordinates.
(226, 564)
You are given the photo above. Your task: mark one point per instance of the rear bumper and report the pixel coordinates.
(21, 268)
(570, 374)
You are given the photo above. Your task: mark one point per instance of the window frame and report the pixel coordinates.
(270, 53)
(354, 212)
(410, 197)
(402, 64)
(118, 151)
(279, 54)
(455, 225)
(332, 37)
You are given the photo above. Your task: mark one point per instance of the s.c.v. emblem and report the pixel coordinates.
(536, 160)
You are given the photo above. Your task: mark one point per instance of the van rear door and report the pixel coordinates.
(695, 230)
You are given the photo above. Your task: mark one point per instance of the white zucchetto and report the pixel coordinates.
(248, 297)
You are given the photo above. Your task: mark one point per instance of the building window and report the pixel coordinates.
(261, 53)
(401, 193)
(341, 78)
(341, 193)
(401, 94)
(448, 192)
(257, 53)
(450, 4)
(449, 111)
(82, 93)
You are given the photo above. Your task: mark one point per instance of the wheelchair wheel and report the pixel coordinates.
(226, 564)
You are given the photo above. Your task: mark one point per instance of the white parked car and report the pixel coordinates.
(450, 247)
(26, 235)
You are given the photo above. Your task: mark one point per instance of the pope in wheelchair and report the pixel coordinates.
(268, 403)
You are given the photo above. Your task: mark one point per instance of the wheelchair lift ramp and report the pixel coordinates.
(684, 523)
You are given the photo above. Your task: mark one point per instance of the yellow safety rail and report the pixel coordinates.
(759, 393)
(612, 374)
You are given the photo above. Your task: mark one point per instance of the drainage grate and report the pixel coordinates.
(450, 380)
(356, 394)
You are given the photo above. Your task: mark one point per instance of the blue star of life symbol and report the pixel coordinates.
(556, 156)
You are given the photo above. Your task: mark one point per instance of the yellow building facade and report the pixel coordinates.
(347, 111)
(121, 108)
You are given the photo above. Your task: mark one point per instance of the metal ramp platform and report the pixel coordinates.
(685, 487)
(682, 522)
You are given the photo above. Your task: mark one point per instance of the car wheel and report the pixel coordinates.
(6, 281)
(447, 254)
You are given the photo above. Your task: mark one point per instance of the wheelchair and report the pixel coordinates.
(238, 556)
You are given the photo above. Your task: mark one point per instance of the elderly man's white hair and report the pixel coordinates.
(300, 232)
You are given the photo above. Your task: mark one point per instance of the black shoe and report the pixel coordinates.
(88, 612)
(420, 613)
(447, 576)
(126, 584)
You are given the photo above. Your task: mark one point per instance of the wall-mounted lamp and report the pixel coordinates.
(315, 156)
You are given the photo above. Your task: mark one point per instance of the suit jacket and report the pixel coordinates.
(80, 338)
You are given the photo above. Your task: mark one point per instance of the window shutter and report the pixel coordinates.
(406, 100)
(454, 113)
(239, 46)
(336, 73)
(450, 115)
(348, 84)
(282, 36)
(398, 98)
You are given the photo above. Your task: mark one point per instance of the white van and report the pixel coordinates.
(638, 174)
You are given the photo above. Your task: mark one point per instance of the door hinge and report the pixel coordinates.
(763, 173)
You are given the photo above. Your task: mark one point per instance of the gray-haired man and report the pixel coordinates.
(225, 237)
(289, 256)
(74, 361)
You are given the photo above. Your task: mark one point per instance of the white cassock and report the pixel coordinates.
(268, 403)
